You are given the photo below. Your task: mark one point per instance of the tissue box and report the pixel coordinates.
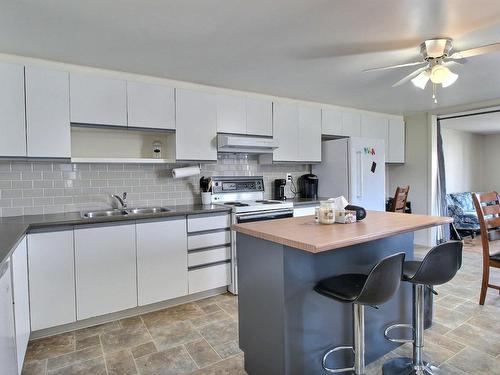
(345, 216)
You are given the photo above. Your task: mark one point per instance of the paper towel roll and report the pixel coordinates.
(185, 172)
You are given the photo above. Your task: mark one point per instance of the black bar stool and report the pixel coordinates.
(438, 267)
(358, 289)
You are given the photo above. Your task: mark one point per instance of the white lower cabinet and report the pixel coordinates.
(105, 264)
(21, 301)
(8, 365)
(51, 279)
(207, 256)
(161, 260)
(210, 277)
(304, 210)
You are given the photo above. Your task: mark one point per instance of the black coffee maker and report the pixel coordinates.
(279, 189)
(308, 186)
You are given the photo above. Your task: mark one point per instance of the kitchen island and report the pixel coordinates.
(284, 326)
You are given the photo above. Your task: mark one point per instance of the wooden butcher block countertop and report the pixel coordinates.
(304, 234)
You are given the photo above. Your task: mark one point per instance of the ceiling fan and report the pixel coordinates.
(437, 56)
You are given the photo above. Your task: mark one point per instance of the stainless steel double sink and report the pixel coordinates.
(124, 212)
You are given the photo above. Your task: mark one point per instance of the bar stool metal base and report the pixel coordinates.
(404, 366)
(358, 349)
(415, 365)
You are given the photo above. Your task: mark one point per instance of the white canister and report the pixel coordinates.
(326, 212)
(206, 198)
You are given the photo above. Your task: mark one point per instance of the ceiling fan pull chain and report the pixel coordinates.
(434, 96)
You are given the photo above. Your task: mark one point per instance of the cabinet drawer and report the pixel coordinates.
(199, 258)
(208, 278)
(200, 241)
(201, 223)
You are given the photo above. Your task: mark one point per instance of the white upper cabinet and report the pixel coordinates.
(298, 131)
(47, 113)
(51, 265)
(196, 132)
(239, 115)
(286, 131)
(351, 124)
(231, 114)
(331, 122)
(259, 119)
(150, 105)
(12, 115)
(105, 265)
(377, 127)
(396, 153)
(98, 100)
(309, 134)
(161, 260)
(21, 300)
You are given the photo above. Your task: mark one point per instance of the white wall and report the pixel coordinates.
(463, 160)
(491, 163)
(416, 172)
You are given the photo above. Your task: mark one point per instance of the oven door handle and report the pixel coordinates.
(264, 216)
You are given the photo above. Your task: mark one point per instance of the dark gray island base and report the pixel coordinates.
(285, 327)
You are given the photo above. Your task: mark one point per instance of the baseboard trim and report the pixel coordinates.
(124, 314)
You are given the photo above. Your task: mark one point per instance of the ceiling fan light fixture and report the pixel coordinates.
(421, 80)
(450, 80)
(439, 73)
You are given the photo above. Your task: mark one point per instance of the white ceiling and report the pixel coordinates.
(304, 49)
(488, 123)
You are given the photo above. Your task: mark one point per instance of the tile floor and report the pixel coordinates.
(201, 337)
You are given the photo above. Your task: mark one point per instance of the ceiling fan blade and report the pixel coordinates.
(454, 62)
(395, 66)
(476, 51)
(410, 76)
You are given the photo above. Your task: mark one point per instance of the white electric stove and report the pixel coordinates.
(245, 196)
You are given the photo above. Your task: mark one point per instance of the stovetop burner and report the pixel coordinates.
(265, 201)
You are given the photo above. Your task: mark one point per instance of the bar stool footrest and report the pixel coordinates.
(394, 326)
(337, 370)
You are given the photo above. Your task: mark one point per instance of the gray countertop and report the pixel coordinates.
(306, 201)
(13, 229)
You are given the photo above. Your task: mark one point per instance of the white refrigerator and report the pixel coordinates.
(355, 168)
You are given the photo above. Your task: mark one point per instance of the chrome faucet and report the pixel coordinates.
(122, 199)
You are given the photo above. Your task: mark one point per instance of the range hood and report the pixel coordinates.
(245, 144)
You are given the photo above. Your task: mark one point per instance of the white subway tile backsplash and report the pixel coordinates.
(32, 175)
(11, 193)
(5, 184)
(10, 176)
(22, 202)
(42, 187)
(15, 211)
(5, 202)
(30, 193)
(22, 184)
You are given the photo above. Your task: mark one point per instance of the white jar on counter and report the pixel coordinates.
(326, 212)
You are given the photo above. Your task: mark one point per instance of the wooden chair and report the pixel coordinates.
(400, 198)
(488, 212)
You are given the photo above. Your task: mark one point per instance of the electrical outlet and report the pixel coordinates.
(289, 177)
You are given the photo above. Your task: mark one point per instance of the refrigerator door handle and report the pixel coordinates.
(359, 169)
